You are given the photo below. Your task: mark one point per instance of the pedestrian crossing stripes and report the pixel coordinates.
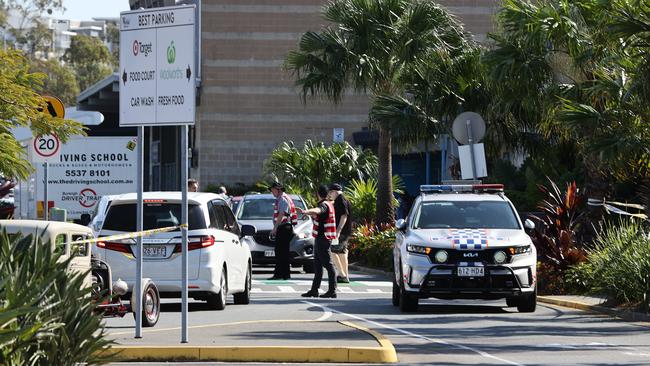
(300, 286)
(340, 290)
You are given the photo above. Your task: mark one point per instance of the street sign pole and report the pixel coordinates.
(158, 88)
(471, 147)
(138, 266)
(45, 205)
(184, 229)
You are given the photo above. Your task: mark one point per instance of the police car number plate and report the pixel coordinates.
(154, 251)
(471, 271)
(269, 253)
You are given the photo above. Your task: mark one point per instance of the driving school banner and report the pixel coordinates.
(87, 169)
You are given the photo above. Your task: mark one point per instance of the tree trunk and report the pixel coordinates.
(385, 212)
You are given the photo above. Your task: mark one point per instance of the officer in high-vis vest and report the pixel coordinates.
(324, 230)
(284, 219)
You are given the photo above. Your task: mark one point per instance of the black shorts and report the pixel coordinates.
(342, 246)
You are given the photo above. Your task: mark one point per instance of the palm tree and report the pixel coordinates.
(561, 76)
(368, 47)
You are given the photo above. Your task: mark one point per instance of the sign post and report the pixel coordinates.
(158, 88)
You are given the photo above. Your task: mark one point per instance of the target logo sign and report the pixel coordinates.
(46, 147)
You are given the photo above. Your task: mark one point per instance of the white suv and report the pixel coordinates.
(464, 242)
(219, 262)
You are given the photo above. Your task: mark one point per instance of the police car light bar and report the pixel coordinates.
(441, 188)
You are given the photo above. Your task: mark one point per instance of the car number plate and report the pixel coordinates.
(471, 271)
(155, 251)
(269, 253)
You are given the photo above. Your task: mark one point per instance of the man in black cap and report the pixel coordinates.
(324, 230)
(343, 232)
(284, 219)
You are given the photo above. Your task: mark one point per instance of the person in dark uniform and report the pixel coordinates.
(343, 232)
(324, 230)
(284, 219)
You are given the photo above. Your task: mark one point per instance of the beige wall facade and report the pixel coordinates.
(249, 104)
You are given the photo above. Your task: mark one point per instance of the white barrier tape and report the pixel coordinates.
(595, 202)
(130, 235)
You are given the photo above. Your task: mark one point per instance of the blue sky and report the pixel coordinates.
(88, 9)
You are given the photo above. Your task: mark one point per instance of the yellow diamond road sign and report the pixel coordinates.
(54, 106)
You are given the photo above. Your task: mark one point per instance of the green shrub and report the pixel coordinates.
(618, 264)
(305, 168)
(372, 246)
(362, 195)
(47, 316)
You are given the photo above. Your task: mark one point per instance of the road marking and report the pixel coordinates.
(260, 291)
(414, 335)
(287, 289)
(376, 283)
(308, 283)
(626, 350)
(344, 289)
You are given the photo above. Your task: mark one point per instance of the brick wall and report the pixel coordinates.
(249, 104)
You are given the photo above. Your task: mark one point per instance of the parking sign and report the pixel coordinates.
(157, 76)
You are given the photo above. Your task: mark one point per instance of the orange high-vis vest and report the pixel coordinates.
(330, 223)
(288, 215)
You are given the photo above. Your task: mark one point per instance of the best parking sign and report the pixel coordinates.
(157, 81)
(45, 148)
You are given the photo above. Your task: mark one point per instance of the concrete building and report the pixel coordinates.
(248, 103)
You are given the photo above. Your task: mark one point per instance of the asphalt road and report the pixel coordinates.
(458, 332)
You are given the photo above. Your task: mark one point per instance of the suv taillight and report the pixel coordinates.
(118, 247)
(196, 242)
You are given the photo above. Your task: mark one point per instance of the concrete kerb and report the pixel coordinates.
(625, 315)
(385, 353)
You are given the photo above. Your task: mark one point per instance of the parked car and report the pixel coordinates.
(257, 209)
(61, 237)
(234, 202)
(100, 213)
(464, 242)
(219, 261)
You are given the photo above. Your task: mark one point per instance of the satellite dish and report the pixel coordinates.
(460, 130)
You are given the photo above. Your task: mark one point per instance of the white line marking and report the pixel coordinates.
(287, 289)
(347, 290)
(376, 283)
(375, 291)
(255, 289)
(414, 335)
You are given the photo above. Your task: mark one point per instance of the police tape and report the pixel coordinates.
(609, 206)
(130, 235)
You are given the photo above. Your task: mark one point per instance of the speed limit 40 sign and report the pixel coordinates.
(45, 148)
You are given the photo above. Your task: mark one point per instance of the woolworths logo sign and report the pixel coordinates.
(171, 53)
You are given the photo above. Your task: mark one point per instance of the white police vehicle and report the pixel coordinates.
(464, 242)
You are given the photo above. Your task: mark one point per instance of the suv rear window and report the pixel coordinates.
(465, 215)
(155, 216)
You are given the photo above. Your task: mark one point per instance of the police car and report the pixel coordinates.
(464, 242)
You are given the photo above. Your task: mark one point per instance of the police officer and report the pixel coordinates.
(324, 230)
(284, 219)
(343, 232)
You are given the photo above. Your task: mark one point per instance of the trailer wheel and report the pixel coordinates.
(150, 305)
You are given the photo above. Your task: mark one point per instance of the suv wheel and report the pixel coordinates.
(528, 303)
(511, 302)
(244, 298)
(218, 301)
(407, 302)
(396, 294)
